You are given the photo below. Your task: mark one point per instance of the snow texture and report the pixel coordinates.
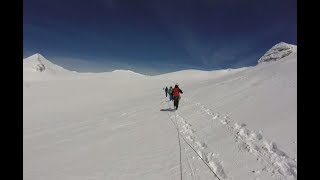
(119, 125)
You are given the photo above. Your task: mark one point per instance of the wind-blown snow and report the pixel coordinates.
(233, 124)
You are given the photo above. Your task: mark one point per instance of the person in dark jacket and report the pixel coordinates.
(166, 91)
(176, 95)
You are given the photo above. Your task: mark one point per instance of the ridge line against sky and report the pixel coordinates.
(155, 37)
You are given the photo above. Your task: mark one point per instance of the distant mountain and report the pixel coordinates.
(278, 51)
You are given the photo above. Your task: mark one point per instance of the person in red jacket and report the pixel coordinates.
(176, 96)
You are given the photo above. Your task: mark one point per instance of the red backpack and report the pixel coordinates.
(176, 92)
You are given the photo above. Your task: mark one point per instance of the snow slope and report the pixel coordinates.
(234, 124)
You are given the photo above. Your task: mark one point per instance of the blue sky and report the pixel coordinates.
(156, 36)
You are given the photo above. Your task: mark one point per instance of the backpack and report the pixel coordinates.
(176, 92)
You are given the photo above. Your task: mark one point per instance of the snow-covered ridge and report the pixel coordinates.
(277, 52)
(37, 63)
(127, 72)
(37, 67)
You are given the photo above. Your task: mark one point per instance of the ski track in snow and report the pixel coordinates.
(210, 158)
(275, 161)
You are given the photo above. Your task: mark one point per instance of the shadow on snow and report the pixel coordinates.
(168, 109)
